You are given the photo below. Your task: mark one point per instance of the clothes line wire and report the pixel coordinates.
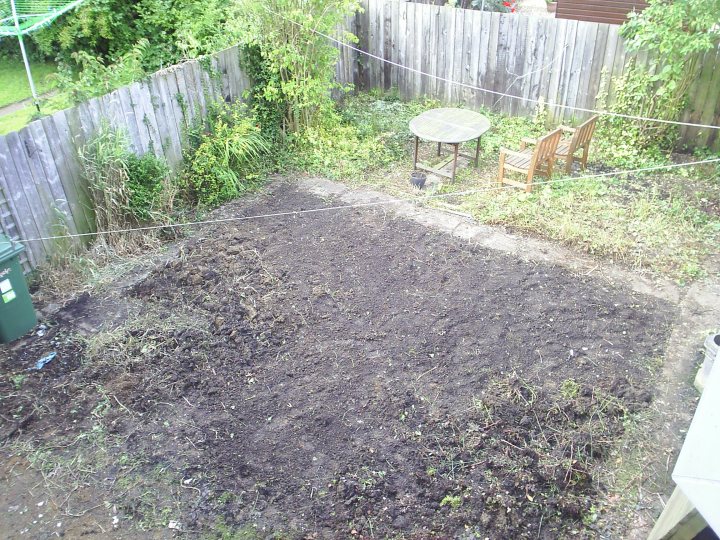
(421, 199)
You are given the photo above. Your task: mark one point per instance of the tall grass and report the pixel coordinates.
(229, 157)
(126, 190)
(105, 167)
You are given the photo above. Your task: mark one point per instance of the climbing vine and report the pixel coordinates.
(673, 35)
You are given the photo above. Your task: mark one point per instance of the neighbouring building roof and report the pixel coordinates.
(604, 11)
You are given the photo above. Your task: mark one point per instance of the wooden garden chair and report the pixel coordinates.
(580, 140)
(530, 161)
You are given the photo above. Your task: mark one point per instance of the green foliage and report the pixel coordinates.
(99, 27)
(674, 35)
(384, 117)
(109, 29)
(228, 158)
(630, 221)
(126, 190)
(370, 131)
(299, 63)
(366, 134)
(335, 150)
(149, 183)
(269, 111)
(96, 77)
(622, 143)
(453, 501)
(569, 389)
(664, 221)
(675, 30)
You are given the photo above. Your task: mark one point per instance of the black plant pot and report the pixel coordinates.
(417, 179)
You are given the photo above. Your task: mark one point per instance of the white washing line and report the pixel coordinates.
(368, 204)
(502, 94)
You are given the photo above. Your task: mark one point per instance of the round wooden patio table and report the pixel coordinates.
(448, 125)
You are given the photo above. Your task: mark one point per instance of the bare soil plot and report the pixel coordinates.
(340, 374)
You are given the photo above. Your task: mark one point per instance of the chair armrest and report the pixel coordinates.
(511, 152)
(525, 141)
(568, 129)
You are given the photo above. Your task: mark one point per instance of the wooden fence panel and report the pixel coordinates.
(42, 189)
(68, 173)
(46, 173)
(21, 220)
(67, 145)
(36, 214)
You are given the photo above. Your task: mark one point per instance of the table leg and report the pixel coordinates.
(439, 146)
(416, 153)
(457, 148)
(477, 152)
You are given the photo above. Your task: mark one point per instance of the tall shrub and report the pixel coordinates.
(300, 63)
(109, 29)
(228, 158)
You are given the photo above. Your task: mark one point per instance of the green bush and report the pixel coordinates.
(336, 151)
(97, 77)
(366, 133)
(151, 188)
(228, 159)
(126, 190)
(286, 37)
(384, 117)
(109, 29)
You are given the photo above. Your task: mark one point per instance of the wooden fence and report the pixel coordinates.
(557, 60)
(42, 192)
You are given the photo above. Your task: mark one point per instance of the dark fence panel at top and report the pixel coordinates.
(601, 11)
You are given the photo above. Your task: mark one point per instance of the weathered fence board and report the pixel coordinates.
(558, 61)
(42, 189)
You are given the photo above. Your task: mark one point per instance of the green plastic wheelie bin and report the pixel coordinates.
(17, 315)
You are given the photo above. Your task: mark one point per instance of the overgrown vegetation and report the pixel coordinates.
(126, 190)
(295, 63)
(665, 221)
(228, 158)
(105, 44)
(94, 76)
(668, 39)
(109, 29)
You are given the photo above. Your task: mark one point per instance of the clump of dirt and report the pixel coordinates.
(347, 373)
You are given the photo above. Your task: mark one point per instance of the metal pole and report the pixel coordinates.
(24, 55)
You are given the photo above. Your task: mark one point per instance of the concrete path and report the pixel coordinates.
(18, 105)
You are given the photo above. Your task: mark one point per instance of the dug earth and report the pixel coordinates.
(332, 375)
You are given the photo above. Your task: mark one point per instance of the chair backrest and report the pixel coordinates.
(545, 148)
(583, 134)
